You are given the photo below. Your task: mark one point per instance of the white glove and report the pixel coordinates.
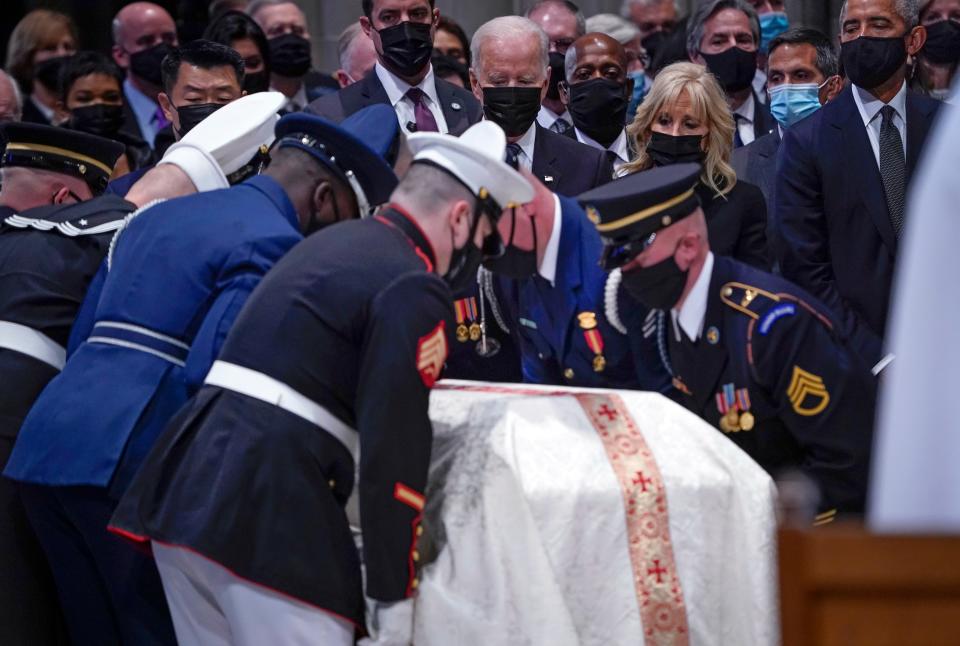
(389, 624)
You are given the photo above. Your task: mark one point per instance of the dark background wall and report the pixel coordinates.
(329, 17)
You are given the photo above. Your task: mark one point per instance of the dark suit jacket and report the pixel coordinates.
(567, 166)
(763, 121)
(756, 163)
(460, 108)
(831, 228)
(737, 223)
(130, 125)
(32, 114)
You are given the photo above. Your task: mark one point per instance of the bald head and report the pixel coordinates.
(27, 188)
(596, 55)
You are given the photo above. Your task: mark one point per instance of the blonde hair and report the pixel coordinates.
(709, 106)
(38, 29)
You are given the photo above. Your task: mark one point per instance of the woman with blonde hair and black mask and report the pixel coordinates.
(685, 118)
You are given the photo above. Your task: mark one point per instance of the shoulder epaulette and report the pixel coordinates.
(748, 300)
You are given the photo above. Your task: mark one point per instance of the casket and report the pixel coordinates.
(576, 516)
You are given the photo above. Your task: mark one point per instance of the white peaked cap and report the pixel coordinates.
(233, 134)
(476, 159)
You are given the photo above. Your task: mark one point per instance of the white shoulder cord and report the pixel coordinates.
(127, 220)
(485, 280)
(610, 307)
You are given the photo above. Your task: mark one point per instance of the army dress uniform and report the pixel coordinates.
(751, 353)
(48, 256)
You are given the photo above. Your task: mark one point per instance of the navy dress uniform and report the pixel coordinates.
(765, 363)
(48, 255)
(561, 326)
(261, 462)
(179, 274)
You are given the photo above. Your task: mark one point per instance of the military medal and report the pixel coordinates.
(466, 311)
(734, 407)
(591, 333)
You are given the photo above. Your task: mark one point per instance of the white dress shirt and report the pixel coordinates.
(618, 148)
(692, 314)
(747, 112)
(297, 102)
(551, 254)
(870, 106)
(397, 93)
(548, 117)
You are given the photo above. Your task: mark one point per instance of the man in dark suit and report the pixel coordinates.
(143, 34)
(285, 27)
(510, 75)
(801, 63)
(403, 32)
(842, 174)
(723, 36)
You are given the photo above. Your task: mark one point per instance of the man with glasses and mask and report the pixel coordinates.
(802, 75)
(597, 92)
(344, 377)
(723, 36)
(179, 272)
(749, 352)
(563, 22)
(403, 32)
(844, 172)
(143, 34)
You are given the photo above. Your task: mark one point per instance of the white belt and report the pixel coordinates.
(265, 388)
(32, 343)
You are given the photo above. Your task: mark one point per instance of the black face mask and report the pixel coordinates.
(256, 82)
(557, 73)
(599, 108)
(48, 72)
(653, 42)
(665, 149)
(512, 108)
(870, 62)
(407, 48)
(98, 119)
(515, 263)
(659, 286)
(734, 68)
(290, 55)
(943, 43)
(191, 115)
(147, 64)
(464, 263)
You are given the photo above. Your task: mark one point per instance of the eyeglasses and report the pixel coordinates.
(562, 44)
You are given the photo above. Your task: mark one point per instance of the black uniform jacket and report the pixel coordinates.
(48, 256)
(773, 372)
(261, 490)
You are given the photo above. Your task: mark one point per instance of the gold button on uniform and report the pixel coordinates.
(414, 583)
(419, 530)
(416, 555)
(568, 374)
(332, 483)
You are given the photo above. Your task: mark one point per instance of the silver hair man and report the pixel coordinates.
(503, 29)
(707, 10)
(909, 10)
(620, 29)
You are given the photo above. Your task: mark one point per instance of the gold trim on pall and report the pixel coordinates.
(644, 214)
(63, 152)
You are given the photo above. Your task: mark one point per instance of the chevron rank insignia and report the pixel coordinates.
(807, 392)
(431, 355)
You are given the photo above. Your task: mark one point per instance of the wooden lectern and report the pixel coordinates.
(841, 586)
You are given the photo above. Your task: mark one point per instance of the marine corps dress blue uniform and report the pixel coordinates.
(179, 275)
(769, 368)
(48, 255)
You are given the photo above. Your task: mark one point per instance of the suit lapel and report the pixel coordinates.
(918, 124)
(371, 93)
(545, 162)
(860, 161)
(454, 111)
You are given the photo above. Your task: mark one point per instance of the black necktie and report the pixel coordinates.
(560, 126)
(737, 140)
(513, 156)
(893, 167)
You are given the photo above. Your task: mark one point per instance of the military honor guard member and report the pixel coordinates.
(326, 373)
(751, 353)
(179, 274)
(552, 289)
(44, 273)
